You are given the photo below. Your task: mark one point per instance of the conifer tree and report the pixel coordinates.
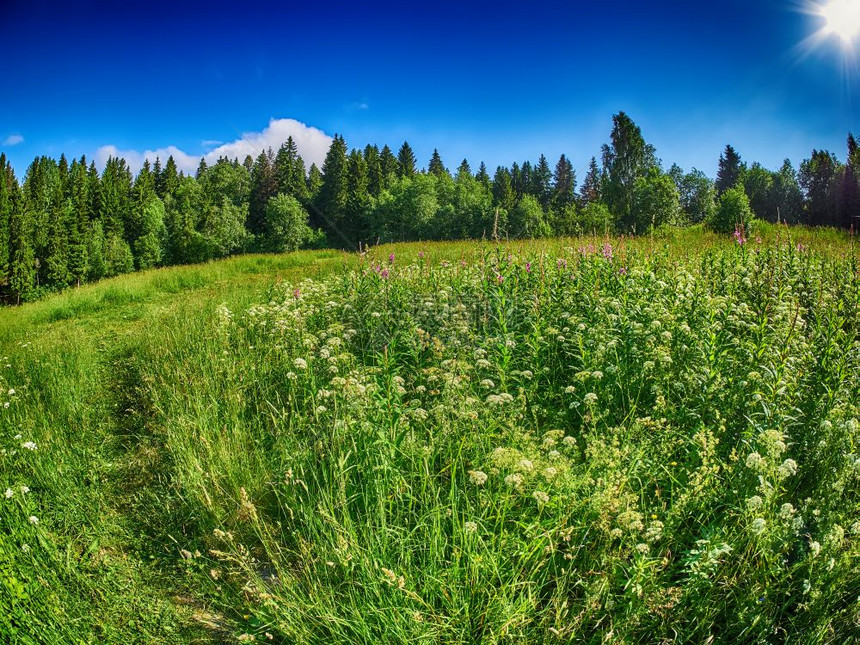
(503, 192)
(818, 178)
(358, 198)
(389, 165)
(729, 170)
(168, 180)
(375, 178)
(542, 182)
(483, 177)
(464, 168)
(314, 182)
(264, 186)
(436, 166)
(334, 193)
(405, 161)
(79, 222)
(22, 270)
(590, 191)
(7, 188)
(563, 184)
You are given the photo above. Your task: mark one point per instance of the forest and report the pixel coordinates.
(66, 224)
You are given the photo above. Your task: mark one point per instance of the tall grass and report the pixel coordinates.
(650, 440)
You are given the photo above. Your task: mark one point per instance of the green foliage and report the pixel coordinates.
(625, 159)
(527, 220)
(149, 247)
(117, 256)
(730, 170)
(732, 213)
(287, 225)
(655, 201)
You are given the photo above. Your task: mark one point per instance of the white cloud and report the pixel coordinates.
(312, 144)
(13, 140)
(208, 143)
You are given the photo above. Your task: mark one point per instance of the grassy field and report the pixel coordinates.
(583, 440)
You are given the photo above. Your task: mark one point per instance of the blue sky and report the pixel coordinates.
(493, 81)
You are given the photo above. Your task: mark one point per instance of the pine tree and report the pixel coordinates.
(405, 161)
(315, 180)
(436, 166)
(57, 251)
(114, 197)
(729, 170)
(464, 168)
(202, 167)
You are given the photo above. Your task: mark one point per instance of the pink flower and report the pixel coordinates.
(607, 251)
(384, 274)
(297, 294)
(739, 236)
(528, 267)
(420, 255)
(561, 263)
(391, 259)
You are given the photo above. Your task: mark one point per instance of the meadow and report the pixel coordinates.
(590, 440)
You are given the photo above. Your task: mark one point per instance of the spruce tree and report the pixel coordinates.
(6, 191)
(22, 270)
(334, 193)
(818, 178)
(436, 166)
(483, 177)
(563, 184)
(464, 168)
(405, 161)
(79, 223)
(503, 192)
(590, 191)
(542, 182)
(729, 170)
(375, 177)
(168, 180)
(389, 165)
(264, 186)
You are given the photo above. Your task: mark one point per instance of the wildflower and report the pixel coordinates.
(470, 527)
(9, 493)
(478, 477)
(528, 267)
(11, 391)
(554, 455)
(786, 511)
(25, 490)
(292, 376)
(754, 503)
(514, 479)
(754, 461)
(570, 389)
(597, 374)
(384, 274)
(739, 236)
(300, 363)
(25, 548)
(487, 383)
(391, 259)
(33, 520)
(758, 525)
(550, 473)
(569, 441)
(642, 548)
(607, 251)
(814, 548)
(541, 497)
(526, 465)
(590, 398)
(622, 271)
(787, 469)
(420, 255)
(29, 445)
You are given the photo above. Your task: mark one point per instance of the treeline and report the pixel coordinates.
(67, 224)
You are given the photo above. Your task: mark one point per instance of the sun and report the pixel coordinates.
(842, 19)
